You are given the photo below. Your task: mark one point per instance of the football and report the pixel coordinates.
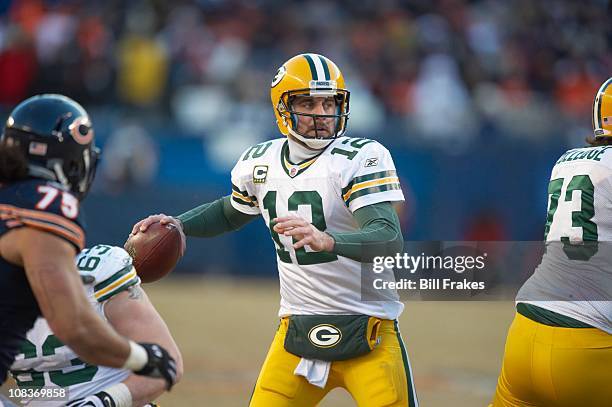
(156, 251)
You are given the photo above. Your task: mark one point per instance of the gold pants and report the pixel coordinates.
(379, 378)
(546, 366)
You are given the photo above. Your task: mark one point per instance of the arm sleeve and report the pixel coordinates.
(380, 234)
(214, 218)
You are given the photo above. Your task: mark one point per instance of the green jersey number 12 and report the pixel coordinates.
(309, 198)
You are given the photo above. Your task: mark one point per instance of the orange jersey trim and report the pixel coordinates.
(45, 221)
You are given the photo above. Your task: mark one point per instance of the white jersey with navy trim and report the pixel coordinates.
(45, 362)
(350, 174)
(575, 276)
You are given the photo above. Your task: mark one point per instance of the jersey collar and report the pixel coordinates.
(293, 170)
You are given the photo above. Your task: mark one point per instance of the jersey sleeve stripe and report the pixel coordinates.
(367, 184)
(368, 177)
(373, 190)
(242, 194)
(131, 282)
(119, 274)
(42, 215)
(235, 188)
(48, 227)
(46, 221)
(248, 201)
(123, 282)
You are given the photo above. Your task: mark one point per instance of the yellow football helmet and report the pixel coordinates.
(602, 111)
(312, 75)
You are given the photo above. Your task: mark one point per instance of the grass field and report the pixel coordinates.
(224, 328)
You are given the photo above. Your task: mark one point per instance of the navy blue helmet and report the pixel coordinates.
(56, 136)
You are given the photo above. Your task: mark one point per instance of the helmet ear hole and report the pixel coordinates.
(83, 129)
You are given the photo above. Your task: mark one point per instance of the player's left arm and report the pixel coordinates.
(132, 314)
(379, 234)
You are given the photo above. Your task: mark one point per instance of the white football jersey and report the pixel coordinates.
(46, 362)
(350, 174)
(575, 276)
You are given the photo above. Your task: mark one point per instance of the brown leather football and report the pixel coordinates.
(156, 251)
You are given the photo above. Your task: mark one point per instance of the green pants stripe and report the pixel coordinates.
(413, 401)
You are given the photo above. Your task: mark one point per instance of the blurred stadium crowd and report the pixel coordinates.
(440, 67)
(439, 82)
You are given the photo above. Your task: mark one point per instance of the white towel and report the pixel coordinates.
(315, 371)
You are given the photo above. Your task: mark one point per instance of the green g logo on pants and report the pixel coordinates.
(324, 336)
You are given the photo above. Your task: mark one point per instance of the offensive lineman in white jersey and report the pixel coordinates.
(45, 362)
(559, 347)
(327, 200)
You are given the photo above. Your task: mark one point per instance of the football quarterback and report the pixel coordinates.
(327, 201)
(559, 347)
(115, 293)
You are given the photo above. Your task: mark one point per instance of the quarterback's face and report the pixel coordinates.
(306, 125)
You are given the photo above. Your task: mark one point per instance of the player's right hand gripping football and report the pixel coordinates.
(142, 225)
(159, 364)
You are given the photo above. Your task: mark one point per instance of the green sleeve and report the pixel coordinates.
(213, 218)
(379, 234)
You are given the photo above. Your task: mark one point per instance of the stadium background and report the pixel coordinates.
(475, 100)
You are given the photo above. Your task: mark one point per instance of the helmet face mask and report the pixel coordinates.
(310, 75)
(56, 137)
(325, 126)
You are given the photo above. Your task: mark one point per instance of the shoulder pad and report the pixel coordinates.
(111, 267)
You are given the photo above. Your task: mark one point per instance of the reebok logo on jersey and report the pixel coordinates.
(324, 336)
(371, 162)
(260, 172)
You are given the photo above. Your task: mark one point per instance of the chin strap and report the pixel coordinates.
(299, 153)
